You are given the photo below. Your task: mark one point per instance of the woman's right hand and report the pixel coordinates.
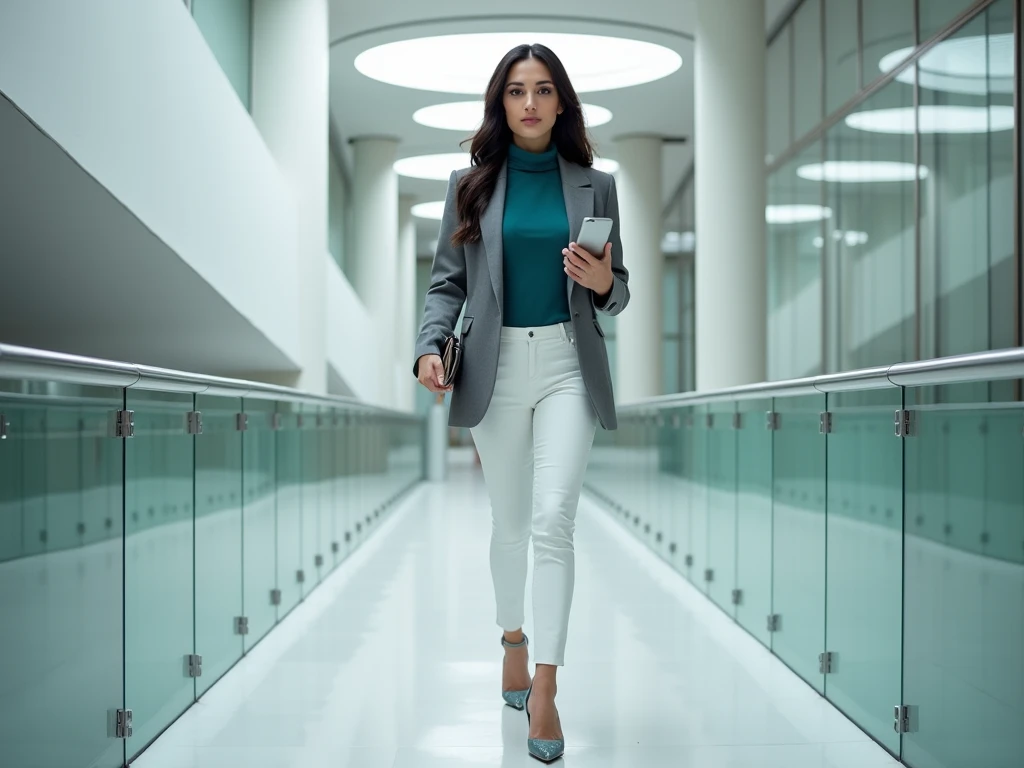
(431, 373)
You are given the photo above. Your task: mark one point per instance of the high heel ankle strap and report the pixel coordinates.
(507, 644)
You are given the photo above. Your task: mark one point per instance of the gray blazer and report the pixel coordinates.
(472, 275)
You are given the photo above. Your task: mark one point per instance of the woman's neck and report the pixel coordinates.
(538, 145)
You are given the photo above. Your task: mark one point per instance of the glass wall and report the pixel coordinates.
(227, 27)
(120, 558)
(901, 130)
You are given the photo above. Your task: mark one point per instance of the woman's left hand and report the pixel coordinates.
(589, 271)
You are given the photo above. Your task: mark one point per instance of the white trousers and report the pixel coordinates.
(534, 442)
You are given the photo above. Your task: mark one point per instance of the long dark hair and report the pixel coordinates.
(489, 148)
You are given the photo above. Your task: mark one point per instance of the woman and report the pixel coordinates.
(534, 380)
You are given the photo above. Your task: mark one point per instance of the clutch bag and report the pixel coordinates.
(451, 357)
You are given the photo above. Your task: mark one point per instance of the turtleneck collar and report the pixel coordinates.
(534, 162)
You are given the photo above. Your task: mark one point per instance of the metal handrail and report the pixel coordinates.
(981, 366)
(26, 363)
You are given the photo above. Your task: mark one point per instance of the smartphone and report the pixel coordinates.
(594, 235)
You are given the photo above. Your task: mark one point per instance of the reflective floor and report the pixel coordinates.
(394, 662)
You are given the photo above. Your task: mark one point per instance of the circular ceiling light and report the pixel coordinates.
(439, 167)
(433, 210)
(464, 63)
(795, 214)
(935, 118)
(467, 115)
(433, 167)
(972, 65)
(678, 242)
(858, 171)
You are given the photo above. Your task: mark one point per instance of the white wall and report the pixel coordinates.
(132, 92)
(353, 344)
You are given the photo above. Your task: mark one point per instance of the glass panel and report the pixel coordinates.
(968, 293)
(722, 504)
(159, 610)
(680, 543)
(865, 559)
(289, 507)
(795, 234)
(61, 580)
(807, 67)
(259, 548)
(754, 518)
(936, 15)
(218, 541)
(779, 94)
(888, 35)
(840, 52)
(963, 613)
(664, 488)
(798, 555)
(226, 25)
(870, 238)
(311, 426)
(699, 485)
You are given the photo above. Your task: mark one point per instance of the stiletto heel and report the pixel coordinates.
(515, 699)
(545, 750)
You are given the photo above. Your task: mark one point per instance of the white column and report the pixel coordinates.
(374, 256)
(406, 303)
(638, 330)
(290, 108)
(729, 159)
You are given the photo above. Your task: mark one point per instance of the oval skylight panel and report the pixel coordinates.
(466, 116)
(463, 63)
(970, 65)
(440, 166)
(858, 171)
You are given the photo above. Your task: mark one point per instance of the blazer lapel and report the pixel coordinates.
(579, 202)
(491, 232)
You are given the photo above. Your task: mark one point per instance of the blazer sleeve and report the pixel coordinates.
(619, 296)
(447, 293)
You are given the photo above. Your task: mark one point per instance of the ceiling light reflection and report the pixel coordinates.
(796, 213)
(860, 171)
(466, 116)
(433, 210)
(978, 65)
(935, 118)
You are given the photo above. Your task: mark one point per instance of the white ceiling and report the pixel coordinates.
(361, 106)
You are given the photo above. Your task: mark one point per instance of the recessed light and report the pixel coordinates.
(860, 171)
(795, 214)
(467, 115)
(934, 118)
(439, 167)
(973, 65)
(464, 63)
(678, 242)
(433, 210)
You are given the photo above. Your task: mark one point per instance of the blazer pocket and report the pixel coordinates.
(467, 322)
(600, 330)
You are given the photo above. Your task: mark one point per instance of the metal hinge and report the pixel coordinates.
(335, 547)
(904, 719)
(275, 597)
(241, 625)
(904, 422)
(318, 561)
(774, 622)
(242, 422)
(300, 576)
(709, 420)
(772, 421)
(194, 424)
(3, 427)
(275, 421)
(299, 421)
(689, 561)
(826, 662)
(825, 423)
(193, 665)
(124, 424)
(737, 597)
(123, 724)
(737, 421)
(709, 575)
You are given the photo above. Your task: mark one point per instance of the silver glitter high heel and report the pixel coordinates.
(515, 699)
(545, 750)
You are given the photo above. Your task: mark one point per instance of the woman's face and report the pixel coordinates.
(531, 104)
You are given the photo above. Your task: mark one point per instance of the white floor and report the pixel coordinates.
(395, 663)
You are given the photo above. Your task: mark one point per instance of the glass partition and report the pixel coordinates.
(136, 570)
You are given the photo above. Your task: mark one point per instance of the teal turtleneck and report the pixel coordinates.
(534, 232)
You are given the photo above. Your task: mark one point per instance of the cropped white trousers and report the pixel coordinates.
(534, 442)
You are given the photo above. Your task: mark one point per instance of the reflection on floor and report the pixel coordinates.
(394, 662)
